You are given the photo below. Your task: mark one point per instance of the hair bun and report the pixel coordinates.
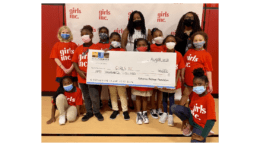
(199, 72)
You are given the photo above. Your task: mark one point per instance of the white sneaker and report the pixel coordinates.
(145, 118)
(170, 120)
(139, 119)
(160, 113)
(62, 119)
(163, 118)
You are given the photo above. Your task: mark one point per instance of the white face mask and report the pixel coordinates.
(158, 40)
(116, 44)
(170, 45)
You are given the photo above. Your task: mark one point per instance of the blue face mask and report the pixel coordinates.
(65, 36)
(199, 89)
(103, 36)
(68, 88)
(199, 44)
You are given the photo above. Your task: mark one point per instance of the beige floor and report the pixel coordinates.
(117, 126)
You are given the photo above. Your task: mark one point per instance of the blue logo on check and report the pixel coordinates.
(100, 54)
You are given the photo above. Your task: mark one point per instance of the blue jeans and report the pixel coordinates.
(184, 113)
(171, 99)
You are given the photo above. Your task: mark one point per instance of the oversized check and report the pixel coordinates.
(142, 69)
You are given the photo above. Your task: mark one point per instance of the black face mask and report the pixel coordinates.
(137, 23)
(188, 22)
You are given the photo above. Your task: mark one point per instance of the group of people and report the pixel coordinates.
(193, 76)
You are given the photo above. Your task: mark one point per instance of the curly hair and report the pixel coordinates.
(199, 73)
(59, 34)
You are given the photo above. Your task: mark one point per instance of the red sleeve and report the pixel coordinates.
(54, 51)
(208, 63)
(181, 62)
(75, 56)
(79, 100)
(211, 114)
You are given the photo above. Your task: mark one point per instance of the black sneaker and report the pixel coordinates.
(126, 115)
(160, 113)
(114, 115)
(154, 113)
(99, 116)
(101, 104)
(109, 104)
(87, 116)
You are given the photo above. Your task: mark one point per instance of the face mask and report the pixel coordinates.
(188, 22)
(115, 44)
(170, 45)
(65, 36)
(199, 89)
(103, 36)
(199, 44)
(86, 38)
(137, 23)
(158, 40)
(68, 88)
(141, 49)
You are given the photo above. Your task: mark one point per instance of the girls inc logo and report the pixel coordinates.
(74, 12)
(66, 52)
(119, 30)
(129, 13)
(81, 62)
(173, 32)
(71, 99)
(161, 16)
(198, 109)
(191, 58)
(103, 14)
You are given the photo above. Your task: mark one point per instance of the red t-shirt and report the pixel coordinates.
(202, 108)
(64, 52)
(179, 65)
(196, 59)
(74, 98)
(103, 46)
(82, 60)
(155, 48)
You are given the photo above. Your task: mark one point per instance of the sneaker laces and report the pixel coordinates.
(139, 117)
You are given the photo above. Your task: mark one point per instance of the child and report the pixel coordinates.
(115, 40)
(67, 99)
(201, 116)
(141, 93)
(80, 62)
(195, 58)
(187, 26)
(170, 42)
(103, 44)
(157, 37)
(62, 53)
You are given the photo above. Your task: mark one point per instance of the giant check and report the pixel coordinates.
(142, 69)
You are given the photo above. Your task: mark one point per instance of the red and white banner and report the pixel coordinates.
(115, 16)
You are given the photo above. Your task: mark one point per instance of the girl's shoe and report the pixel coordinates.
(211, 133)
(170, 120)
(62, 119)
(160, 113)
(126, 115)
(114, 115)
(139, 118)
(163, 118)
(154, 113)
(187, 131)
(145, 118)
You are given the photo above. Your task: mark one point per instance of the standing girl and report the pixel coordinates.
(62, 53)
(201, 116)
(188, 25)
(170, 42)
(67, 99)
(103, 44)
(158, 46)
(196, 58)
(80, 62)
(141, 93)
(115, 40)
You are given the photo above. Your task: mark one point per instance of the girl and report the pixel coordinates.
(103, 44)
(188, 25)
(135, 29)
(80, 62)
(158, 46)
(67, 99)
(141, 93)
(196, 58)
(170, 42)
(201, 116)
(62, 53)
(115, 40)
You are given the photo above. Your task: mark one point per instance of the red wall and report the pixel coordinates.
(52, 19)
